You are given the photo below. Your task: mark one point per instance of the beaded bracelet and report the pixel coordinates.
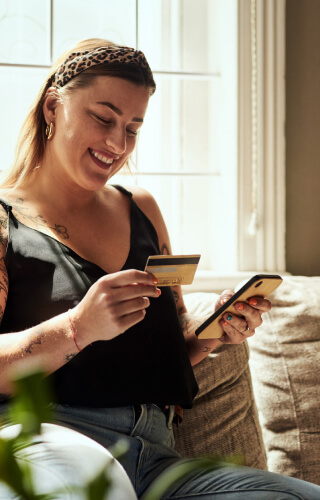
(73, 332)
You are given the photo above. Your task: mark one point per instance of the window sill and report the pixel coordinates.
(210, 281)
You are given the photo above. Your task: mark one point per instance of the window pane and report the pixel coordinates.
(76, 20)
(181, 35)
(182, 128)
(15, 100)
(193, 209)
(25, 32)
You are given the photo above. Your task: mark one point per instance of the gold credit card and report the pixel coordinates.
(173, 270)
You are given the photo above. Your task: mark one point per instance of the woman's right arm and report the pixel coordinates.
(111, 306)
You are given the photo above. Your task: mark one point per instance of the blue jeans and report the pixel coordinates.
(148, 431)
(151, 450)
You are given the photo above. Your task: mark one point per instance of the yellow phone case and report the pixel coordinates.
(259, 285)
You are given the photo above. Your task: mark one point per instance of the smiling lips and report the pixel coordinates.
(104, 159)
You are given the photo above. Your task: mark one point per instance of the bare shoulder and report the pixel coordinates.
(145, 201)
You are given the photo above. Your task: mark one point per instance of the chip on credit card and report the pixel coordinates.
(173, 270)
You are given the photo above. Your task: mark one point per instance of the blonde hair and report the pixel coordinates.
(31, 141)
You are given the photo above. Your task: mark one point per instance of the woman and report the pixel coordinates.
(118, 349)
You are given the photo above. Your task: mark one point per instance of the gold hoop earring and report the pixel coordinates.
(49, 131)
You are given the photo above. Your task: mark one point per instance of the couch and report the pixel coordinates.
(260, 401)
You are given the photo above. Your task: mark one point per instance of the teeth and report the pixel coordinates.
(108, 161)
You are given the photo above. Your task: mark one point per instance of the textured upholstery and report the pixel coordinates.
(285, 367)
(224, 419)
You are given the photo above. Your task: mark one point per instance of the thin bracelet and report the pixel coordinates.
(73, 332)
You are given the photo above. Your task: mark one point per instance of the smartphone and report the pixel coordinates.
(259, 285)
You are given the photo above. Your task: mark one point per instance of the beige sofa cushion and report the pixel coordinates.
(223, 420)
(285, 367)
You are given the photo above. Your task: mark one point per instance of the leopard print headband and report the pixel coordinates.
(80, 61)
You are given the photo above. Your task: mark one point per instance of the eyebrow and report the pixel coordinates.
(118, 111)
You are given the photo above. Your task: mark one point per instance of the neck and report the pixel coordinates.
(60, 191)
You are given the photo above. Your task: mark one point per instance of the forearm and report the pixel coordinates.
(48, 346)
(198, 349)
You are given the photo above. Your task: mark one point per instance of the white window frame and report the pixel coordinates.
(263, 251)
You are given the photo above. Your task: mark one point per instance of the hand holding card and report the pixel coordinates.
(173, 270)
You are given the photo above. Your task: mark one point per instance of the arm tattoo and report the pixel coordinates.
(164, 250)
(189, 324)
(32, 343)
(4, 281)
(206, 349)
(4, 226)
(176, 296)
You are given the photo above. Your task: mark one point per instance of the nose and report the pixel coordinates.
(116, 141)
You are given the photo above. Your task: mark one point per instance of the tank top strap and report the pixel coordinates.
(8, 208)
(122, 190)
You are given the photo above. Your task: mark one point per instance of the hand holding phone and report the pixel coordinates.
(259, 285)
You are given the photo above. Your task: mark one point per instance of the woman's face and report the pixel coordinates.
(96, 130)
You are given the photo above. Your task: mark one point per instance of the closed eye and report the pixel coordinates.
(101, 120)
(132, 133)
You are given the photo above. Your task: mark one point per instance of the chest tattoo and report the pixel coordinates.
(37, 221)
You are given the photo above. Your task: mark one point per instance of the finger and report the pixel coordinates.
(130, 306)
(129, 320)
(251, 315)
(238, 323)
(260, 303)
(132, 291)
(129, 276)
(232, 335)
(226, 295)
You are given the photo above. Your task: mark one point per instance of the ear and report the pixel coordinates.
(50, 104)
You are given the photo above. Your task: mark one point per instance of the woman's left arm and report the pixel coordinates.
(236, 329)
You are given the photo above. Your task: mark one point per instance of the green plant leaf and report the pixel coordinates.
(30, 405)
(97, 488)
(16, 475)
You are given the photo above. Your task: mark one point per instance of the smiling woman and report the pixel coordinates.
(118, 350)
(102, 120)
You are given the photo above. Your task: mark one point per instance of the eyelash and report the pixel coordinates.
(106, 122)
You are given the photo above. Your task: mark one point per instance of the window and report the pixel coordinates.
(195, 150)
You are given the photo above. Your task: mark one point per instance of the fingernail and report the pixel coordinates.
(158, 292)
(223, 301)
(225, 323)
(229, 317)
(253, 302)
(240, 306)
(155, 280)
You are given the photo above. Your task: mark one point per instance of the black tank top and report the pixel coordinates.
(147, 364)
